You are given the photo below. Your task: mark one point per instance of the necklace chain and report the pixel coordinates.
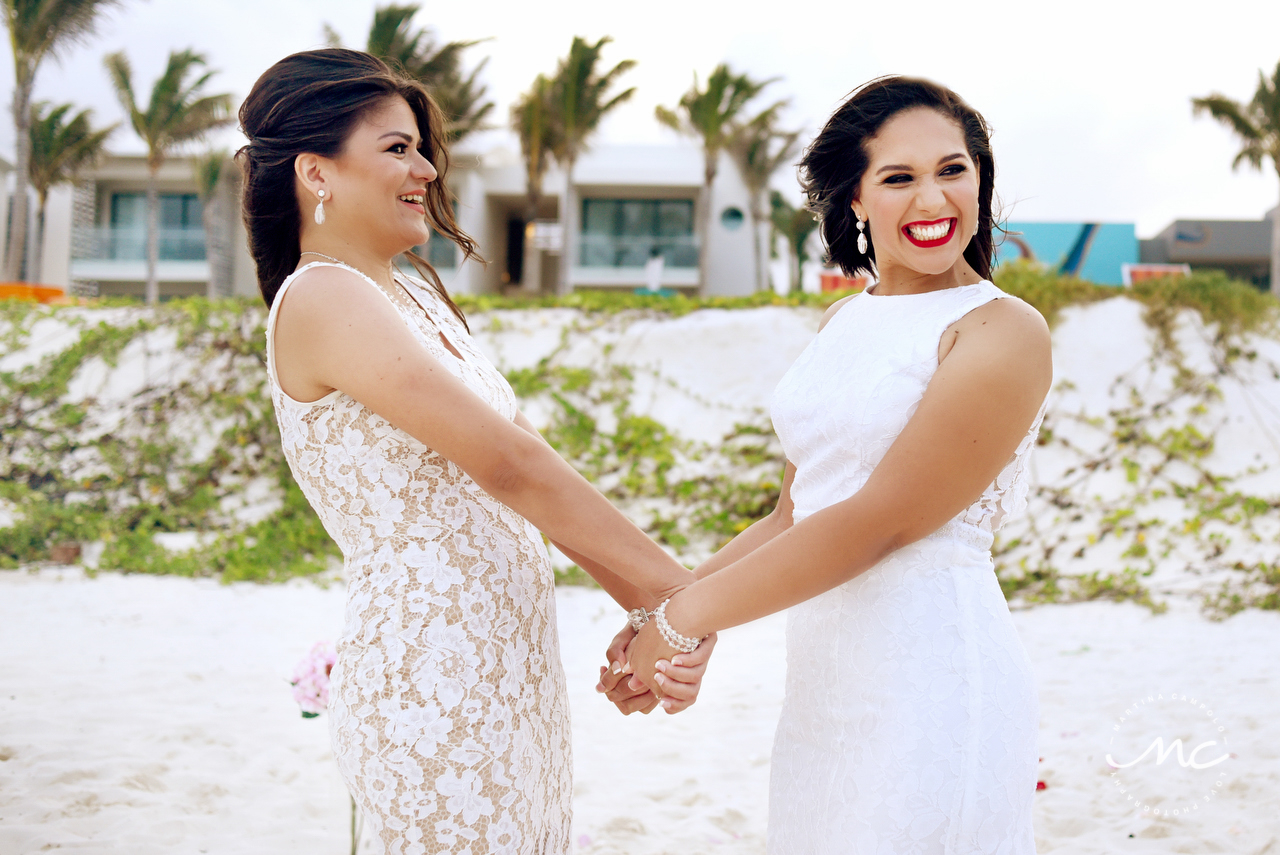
(338, 261)
(325, 257)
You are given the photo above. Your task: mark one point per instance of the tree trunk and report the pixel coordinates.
(21, 180)
(568, 225)
(218, 243)
(797, 250)
(1275, 249)
(36, 267)
(532, 268)
(757, 224)
(704, 217)
(153, 236)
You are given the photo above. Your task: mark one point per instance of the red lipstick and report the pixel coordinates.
(951, 230)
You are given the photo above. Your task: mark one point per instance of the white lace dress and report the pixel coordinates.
(448, 710)
(910, 717)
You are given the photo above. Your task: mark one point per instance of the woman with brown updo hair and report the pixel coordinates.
(448, 710)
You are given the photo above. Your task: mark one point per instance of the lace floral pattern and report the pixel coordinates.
(910, 719)
(448, 708)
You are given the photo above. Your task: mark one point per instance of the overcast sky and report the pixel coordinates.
(1090, 101)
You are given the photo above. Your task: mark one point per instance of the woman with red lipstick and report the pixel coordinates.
(910, 718)
(448, 713)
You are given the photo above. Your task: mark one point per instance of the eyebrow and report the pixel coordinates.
(899, 167)
(400, 134)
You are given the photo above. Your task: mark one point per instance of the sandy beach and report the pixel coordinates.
(153, 715)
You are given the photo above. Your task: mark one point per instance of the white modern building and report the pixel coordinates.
(633, 203)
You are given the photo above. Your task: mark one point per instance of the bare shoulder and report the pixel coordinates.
(1007, 322)
(1005, 342)
(327, 311)
(325, 292)
(831, 311)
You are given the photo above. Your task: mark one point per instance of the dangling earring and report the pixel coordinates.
(862, 238)
(320, 209)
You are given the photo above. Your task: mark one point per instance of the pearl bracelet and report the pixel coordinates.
(638, 618)
(682, 643)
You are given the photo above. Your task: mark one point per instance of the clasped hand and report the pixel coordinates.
(644, 672)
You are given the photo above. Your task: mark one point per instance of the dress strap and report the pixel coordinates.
(274, 312)
(966, 300)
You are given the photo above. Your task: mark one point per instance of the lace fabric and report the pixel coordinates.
(910, 716)
(448, 707)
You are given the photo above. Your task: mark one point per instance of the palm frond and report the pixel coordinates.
(210, 169)
(416, 52)
(579, 95)
(120, 70)
(177, 111)
(62, 147)
(330, 35)
(46, 28)
(712, 111)
(1256, 123)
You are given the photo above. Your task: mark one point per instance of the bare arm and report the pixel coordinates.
(337, 331)
(779, 520)
(976, 410)
(620, 589)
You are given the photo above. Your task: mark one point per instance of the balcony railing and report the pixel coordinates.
(106, 243)
(633, 250)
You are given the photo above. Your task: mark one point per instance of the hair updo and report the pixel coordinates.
(310, 103)
(832, 167)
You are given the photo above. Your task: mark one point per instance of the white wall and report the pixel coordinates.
(731, 266)
(55, 261)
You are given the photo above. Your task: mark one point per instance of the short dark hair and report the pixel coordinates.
(833, 165)
(310, 103)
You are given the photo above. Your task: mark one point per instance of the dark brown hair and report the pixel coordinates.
(832, 168)
(310, 103)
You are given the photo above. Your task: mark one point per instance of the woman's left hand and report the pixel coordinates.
(673, 676)
(615, 678)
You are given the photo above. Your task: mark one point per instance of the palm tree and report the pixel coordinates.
(415, 51)
(177, 113)
(217, 177)
(38, 29)
(710, 114)
(532, 119)
(579, 100)
(795, 225)
(59, 150)
(760, 149)
(1257, 124)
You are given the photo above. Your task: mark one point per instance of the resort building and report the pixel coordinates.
(1240, 247)
(1097, 252)
(635, 225)
(634, 204)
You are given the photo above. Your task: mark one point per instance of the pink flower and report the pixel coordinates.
(311, 679)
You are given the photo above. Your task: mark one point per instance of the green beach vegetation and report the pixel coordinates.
(182, 454)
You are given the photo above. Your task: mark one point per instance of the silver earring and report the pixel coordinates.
(320, 209)
(862, 238)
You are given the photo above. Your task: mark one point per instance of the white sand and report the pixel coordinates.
(152, 715)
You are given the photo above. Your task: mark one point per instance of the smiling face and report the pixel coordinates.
(375, 189)
(919, 196)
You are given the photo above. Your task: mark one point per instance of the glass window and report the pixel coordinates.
(181, 236)
(623, 232)
(177, 211)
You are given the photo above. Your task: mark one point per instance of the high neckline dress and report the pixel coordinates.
(910, 715)
(448, 710)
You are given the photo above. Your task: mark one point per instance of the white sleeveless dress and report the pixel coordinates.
(910, 716)
(448, 709)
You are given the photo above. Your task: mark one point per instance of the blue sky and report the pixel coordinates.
(1090, 101)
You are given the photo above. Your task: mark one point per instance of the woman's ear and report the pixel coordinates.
(310, 169)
